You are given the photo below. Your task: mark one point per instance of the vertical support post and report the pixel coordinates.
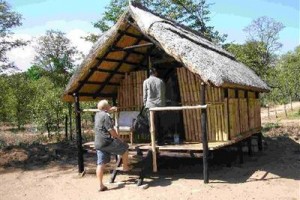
(70, 121)
(148, 65)
(78, 134)
(204, 135)
(66, 127)
(259, 141)
(240, 151)
(153, 145)
(249, 143)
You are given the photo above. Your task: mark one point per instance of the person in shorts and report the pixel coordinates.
(107, 141)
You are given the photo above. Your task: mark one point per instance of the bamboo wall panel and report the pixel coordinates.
(217, 126)
(234, 124)
(130, 92)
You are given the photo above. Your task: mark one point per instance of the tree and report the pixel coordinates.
(22, 94)
(250, 54)
(265, 30)
(48, 108)
(192, 13)
(6, 99)
(8, 21)
(56, 56)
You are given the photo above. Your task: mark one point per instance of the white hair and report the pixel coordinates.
(102, 104)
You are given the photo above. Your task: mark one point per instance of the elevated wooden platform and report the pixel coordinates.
(197, 147)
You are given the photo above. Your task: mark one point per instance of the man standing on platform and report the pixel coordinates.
(154, 90)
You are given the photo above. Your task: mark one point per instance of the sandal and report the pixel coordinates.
(103, 189)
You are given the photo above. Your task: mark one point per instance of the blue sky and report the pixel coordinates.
(75, 17)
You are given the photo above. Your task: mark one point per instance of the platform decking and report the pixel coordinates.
(184, 146)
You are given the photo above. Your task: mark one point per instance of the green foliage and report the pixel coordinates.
(6, 99)
(192, 13)
(8, 21)
(48, 108)
(35, 72)
(250, 54)
(55, 56)
(284, 78)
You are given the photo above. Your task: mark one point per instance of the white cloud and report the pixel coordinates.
(23, 57)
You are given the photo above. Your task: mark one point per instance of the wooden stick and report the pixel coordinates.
(153, 145)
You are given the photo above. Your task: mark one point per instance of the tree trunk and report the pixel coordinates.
(275, 112)
(66, 127)
(284, 105)
(291, 102)
(48, 130)
(57, 122)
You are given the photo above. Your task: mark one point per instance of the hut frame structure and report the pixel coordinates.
(219, 96)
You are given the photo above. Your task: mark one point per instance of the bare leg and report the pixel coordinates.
(125, 161)
(100, 172)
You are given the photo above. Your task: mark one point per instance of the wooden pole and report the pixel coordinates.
(66, 127)
(78, 134)
(70, 121)
(259, 141)
(153, 145)
(204, 135)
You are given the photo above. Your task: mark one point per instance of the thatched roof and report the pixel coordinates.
(103, 68)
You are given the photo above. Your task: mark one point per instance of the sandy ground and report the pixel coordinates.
(272, 174)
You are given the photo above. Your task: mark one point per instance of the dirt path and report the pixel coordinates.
(272, 174)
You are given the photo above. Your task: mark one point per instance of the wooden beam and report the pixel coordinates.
(114, 71)
(110, 71)
(125, 61)
(133, 35)
(138, 46)
(83, 94)
(173, 108)
(204, 135)
(153, 144)
(78, 134)
(98, 83)
(95, 66)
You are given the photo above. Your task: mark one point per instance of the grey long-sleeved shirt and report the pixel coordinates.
(154, 90)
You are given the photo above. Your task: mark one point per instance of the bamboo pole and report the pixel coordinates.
(197, 82)
(183, 101)
(153, 145)
(190, 99)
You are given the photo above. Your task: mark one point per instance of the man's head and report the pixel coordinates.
(153, 72)
(103, 105)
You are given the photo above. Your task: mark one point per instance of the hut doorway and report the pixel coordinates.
(171, 123)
